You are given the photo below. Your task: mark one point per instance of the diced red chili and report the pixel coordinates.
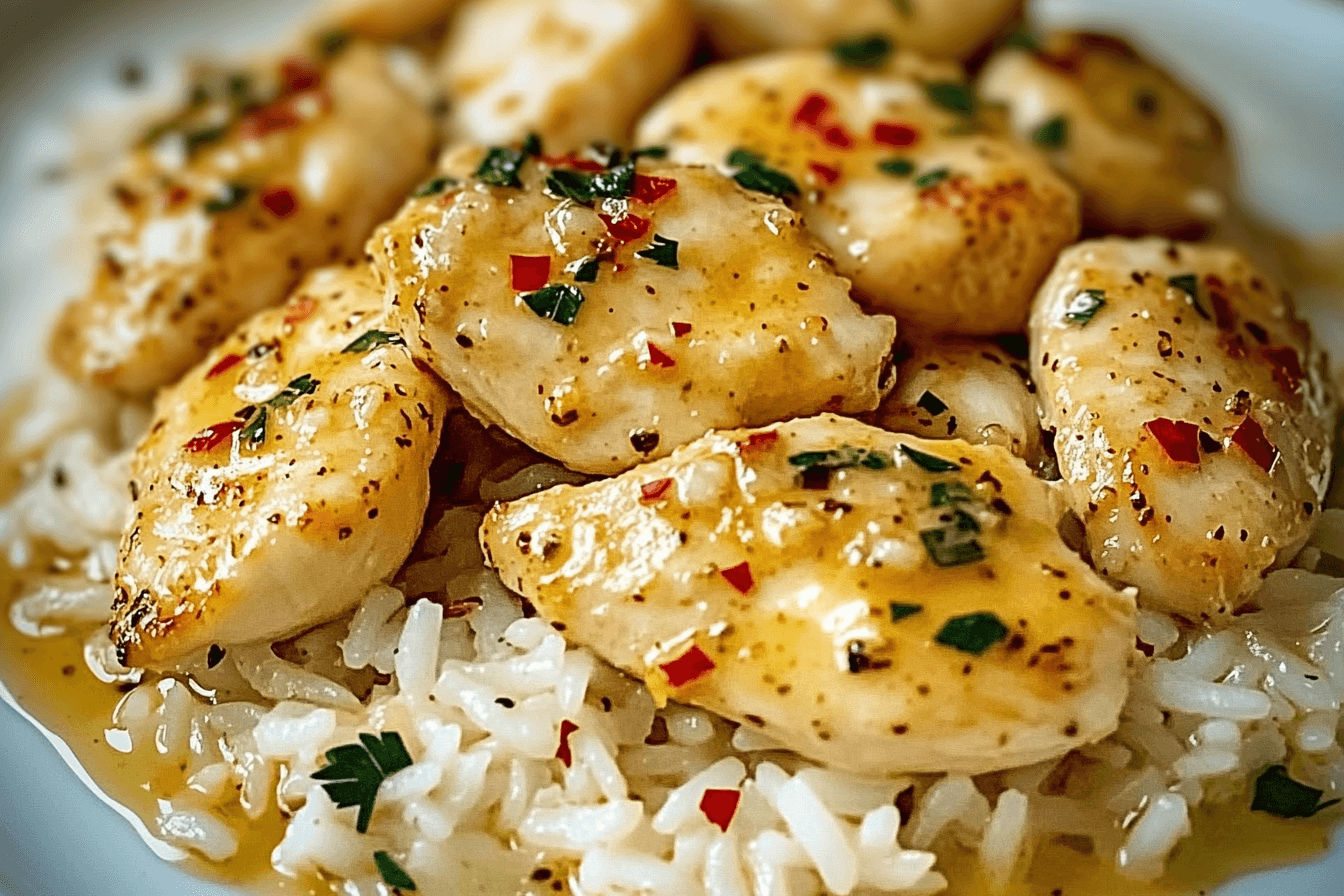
(213, 436)
(680, 328)
(572, 161)
(824, 172)
(1179, 439)
(653, 491)
(297, 73)
(563, 753)
(300, 310)
(719, 806)
(692, 664)
(279, 201)
(894, 133)
(1250, 437)
(626, 228)
(223, 365)
(660, 358)
(649, 189)
(739, 576)
(758, 440)
(811, 110)
(1287, 366)
(528, 273)
(836, 135)
(177, 196)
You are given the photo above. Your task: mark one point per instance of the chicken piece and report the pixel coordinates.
(281, 478)
(935, 218)
(883, 603)
(1192, 416)
(572, 71)
(953, 28)
(218, 218)
(1146, 155)
(607, 331)
(385, 19)
(964, 389)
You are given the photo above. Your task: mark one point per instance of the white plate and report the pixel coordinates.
(1272, 68)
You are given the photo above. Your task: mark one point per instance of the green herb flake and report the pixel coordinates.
(947, 547)
(897, 167)
(373, 339)
(532, 144)
(1278, 794)
(1188, 283)
(649, 152)
(901, 611)
(393, 874)
(434, 187)
(1053, 134)
(843, 458)
(931, 403)
(558, 302)
(615, 182)
(663, 252)
(203, 137)
(254, 433)
(354, 772)
(755, 175)
(297, 388)
(568, 184)
(1085, 306)
(871, 51)
(952, 96)
(1023, 40)
(232, 197)
(930, 179)
(331, 43)
(587, 270)
(949, 494)
(928, 461)
(974, 633)
(501, 166)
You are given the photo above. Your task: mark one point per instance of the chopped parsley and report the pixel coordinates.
(587, 270)
(1023, 40)
(843, 458)
(1189, 284)
(254, 433)
(1085, 306)
(896, 167)
(294, 390)
(901, 611)
(928, 461)
(649, 152)
(754, 174)
(948, 546)
(952, 96)
(616, 182)
(354, 772)
(568, 184)
(974, 633)
(1278, 794)
(949, 494)
(931, 403)
(930, 179)
(501, 166)
(373, 339)
(203, 137)
(232, 197)
(331, 43)
(558, 302)
(434, 187)
(1053, 134)
(532, 144)
(871, 51)
(393, 874)
(663, 252)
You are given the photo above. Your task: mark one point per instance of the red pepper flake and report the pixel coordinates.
(739, 576)
(653, 491)
(279, 201)
(1287, 366)
(680, 328)
(649, 189)
(824, 172)
(300, 310)
(223, 365)
(757, 441)
(297, 73)
(213, 436)
(177, 196)
(1250, 437)
(811, 110)
(563, 752)
(660, 358)
(719, 806)
(893, 133)
(626, 228)
(836, 135)
(528, 273)
(268, 120)
(1177, 437)
(692, 664)
(572, 161)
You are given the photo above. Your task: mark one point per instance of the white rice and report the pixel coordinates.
(480, 695)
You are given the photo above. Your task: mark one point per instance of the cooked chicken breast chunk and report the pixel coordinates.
(1193, 417)
(936, 217)
(281, 478)
(264, 176)
(572, 71)
(606, 317)
(1146, 155)
(882, 603)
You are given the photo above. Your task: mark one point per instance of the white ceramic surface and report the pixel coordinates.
(1272, 67)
